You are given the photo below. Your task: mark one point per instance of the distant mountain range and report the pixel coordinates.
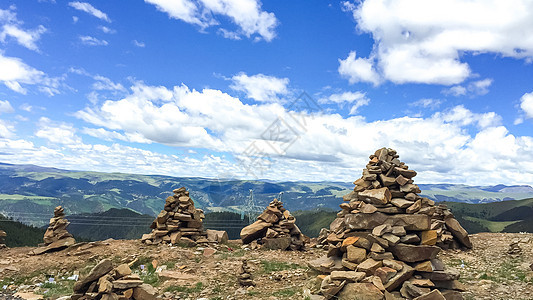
(29, 193)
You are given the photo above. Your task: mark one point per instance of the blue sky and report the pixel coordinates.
(213, 88)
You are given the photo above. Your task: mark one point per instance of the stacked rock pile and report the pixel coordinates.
(245, 275)
(514, 248)
(178, 222)
(106, 283)
(3, 235)
(56, 236)
(384, 242)
(275, 229)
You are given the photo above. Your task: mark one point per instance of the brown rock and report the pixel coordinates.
(254, 231)
(350, 276)
(410, 188)
(385, 274)
(414, 253)
(414, 208)
(360, 290)
(367, 208)
(381, 229)
(279, 243)
(122, 270)
(123, 284)
(405, 273)
(369, 266)
(355, 254)
(401, 180)
(376, 196)
(401, 202)
(103, 267)
(458, 232)
(405, 173)
(433, 295)
(144, 292)
(428, 237)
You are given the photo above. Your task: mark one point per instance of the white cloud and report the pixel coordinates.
(108, 135)
(92, 41)
(75, 19)
(88, 8)
(246, 14)
(138, 44)
(14, 72)
(5, 107)
(7, 130)
(526, 104)
(106, 29)
(357, 98)
(104, 83)
(474, 88)
(260, 87)
(427, 103)
(11, 28)
(423, 41)
(57, 133)
(358, 69)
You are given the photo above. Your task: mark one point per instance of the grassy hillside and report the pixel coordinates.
(19, 234)
(505, 216)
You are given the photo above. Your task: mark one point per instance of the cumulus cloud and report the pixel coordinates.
(246, 14)
(475, 88)
(92, 41)
(526, 104)
(88, 8)
(11, 28)
(5, 107)
(57, 132)
(106, 29)
(7, 130)
(454, 145)
(423, 41)
(358, 99)
(14, 73)
(260, 87)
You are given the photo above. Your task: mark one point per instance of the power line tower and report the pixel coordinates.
(250, 208)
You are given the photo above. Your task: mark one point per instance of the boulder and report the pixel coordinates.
(360, 290)
(280, 243)
(458, 232)
(414, 253)
(376, 196)
(218, 236)
(254, 231)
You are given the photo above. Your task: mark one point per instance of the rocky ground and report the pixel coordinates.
(488, 270)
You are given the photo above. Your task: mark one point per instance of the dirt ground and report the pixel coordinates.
(487, 270)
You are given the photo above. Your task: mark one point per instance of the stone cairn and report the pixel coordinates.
(245, 275)
(106, 283)
(384, 242)
(275, 228)
(56, 236)
(3, 235)
(178, 222)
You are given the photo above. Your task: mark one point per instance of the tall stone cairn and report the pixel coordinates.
(178, 222)
(384, 242)
(245, 275)
(3, 235)
(57, 229)
(275, 228)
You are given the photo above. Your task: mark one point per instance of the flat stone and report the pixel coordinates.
(369, 266)
(144, 292)
(413, 222)
(350, 276)
(391, 263)
(337, 225)
(450, 285)
(428, 237)
(410, 188)
(254, 231)
(387, 181)
(401, 202)
(103, 267)
(435, 276)
(401, 180)
(360, 290)
(410, 239)
(458, 232)
(405, 173)
(376, 196)
(414, 208)
(433, 295)
(398, 231)
(385, 274)
(410, 290)
(381, 229)
(349, 241)
(367, 208)
(381, 256)
(279, 243)
(422, 282)
(355, 254)
(391, 238)
(405, 273)
(122, 270)
(377, 248)
(414, 253)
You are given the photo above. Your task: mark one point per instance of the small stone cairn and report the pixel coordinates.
(3, 235)
(178, 222)
(245, 275)
(384, 242)
(106, 283)
(56, 236)
(275, 228)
